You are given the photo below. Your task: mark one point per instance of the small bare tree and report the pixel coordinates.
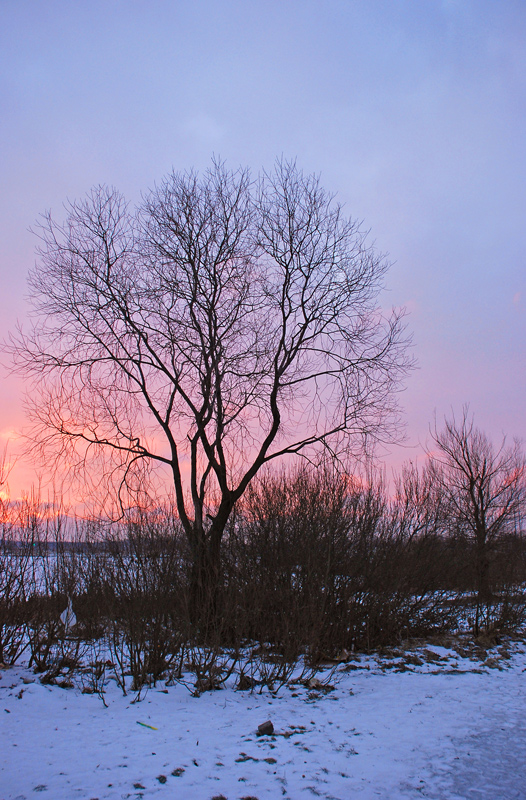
(224, 324)
(483, 492)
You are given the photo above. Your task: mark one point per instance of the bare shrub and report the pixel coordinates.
(323, 562)
(146, 590)
(15, 570)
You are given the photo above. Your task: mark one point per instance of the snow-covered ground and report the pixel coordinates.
(430, 722)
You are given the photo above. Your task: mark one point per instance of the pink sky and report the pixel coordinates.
(414, 114)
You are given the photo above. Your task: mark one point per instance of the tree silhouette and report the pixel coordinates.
(223, 324)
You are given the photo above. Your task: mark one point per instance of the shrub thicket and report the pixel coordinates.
(315, 564)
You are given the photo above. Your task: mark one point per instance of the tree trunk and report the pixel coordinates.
(205, 581)
(484, 593)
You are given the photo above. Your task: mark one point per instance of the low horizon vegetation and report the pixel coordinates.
(314, 564)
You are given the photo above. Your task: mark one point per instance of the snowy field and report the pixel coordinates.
(441, 722)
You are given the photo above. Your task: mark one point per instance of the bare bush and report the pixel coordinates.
(146, 595)
(324, 563)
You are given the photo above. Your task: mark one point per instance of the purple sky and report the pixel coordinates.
(414, 113)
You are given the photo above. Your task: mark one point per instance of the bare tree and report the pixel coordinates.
(224, 324)
(483, 491)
